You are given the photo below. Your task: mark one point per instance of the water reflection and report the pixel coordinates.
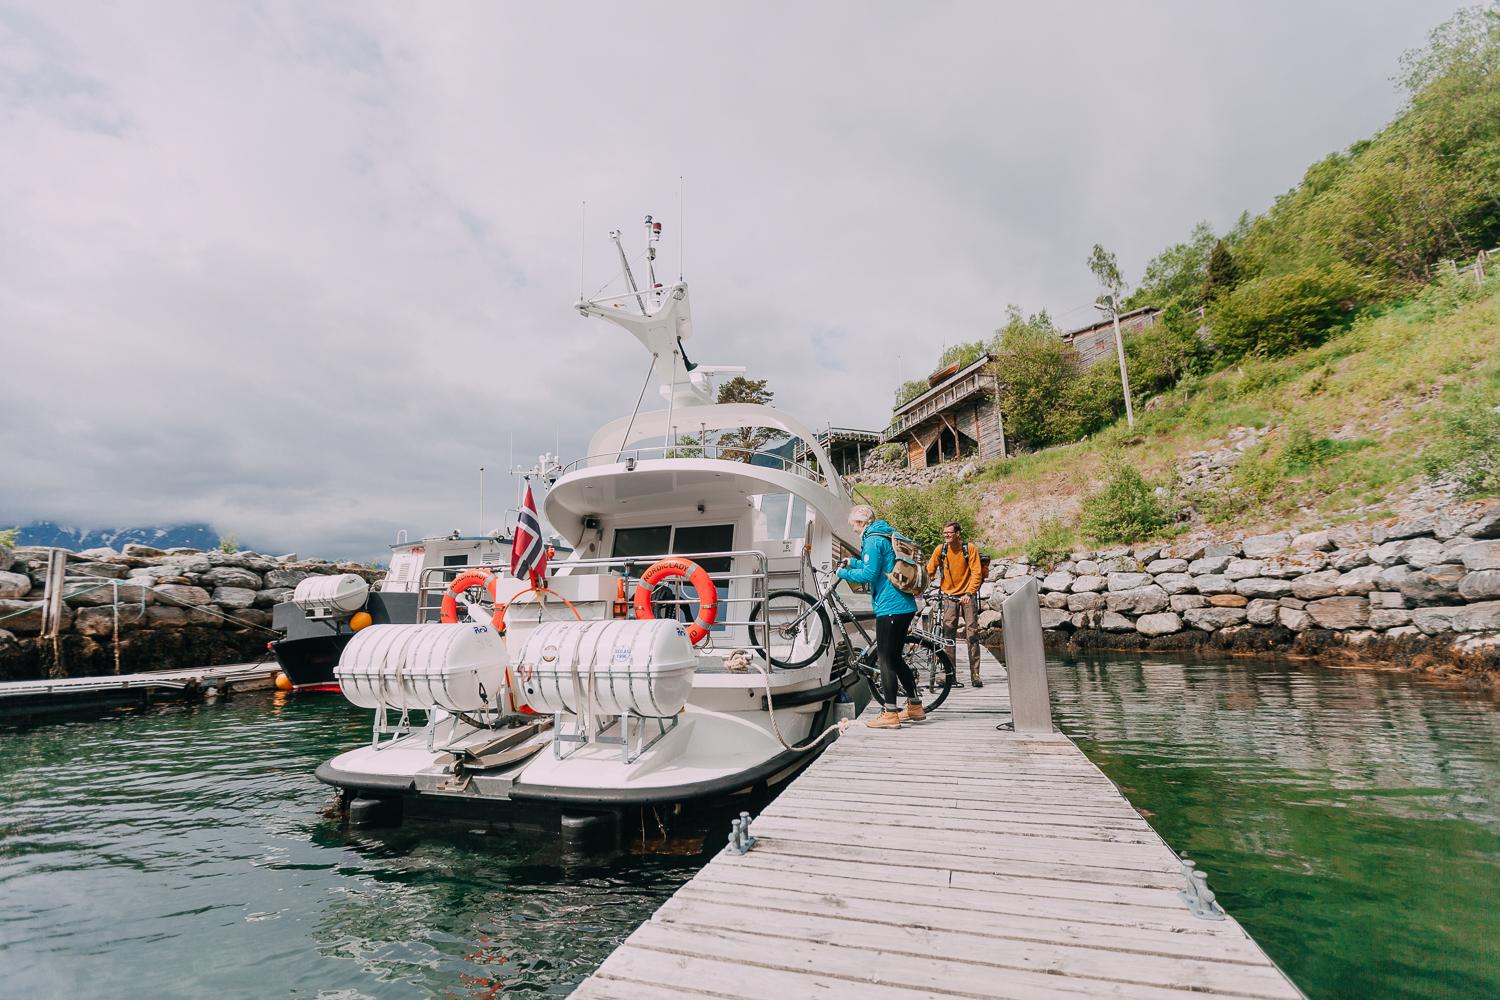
(183, 852)
(1351, 819)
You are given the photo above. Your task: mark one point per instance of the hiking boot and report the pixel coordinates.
(978, 683)
(912, 712)
(885, 720)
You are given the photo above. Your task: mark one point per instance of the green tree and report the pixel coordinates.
(908, 391)
(1035, 369)
(1220, 275)
(1105, 268)
(1178, 272)
(1282, 313)
(743, 442)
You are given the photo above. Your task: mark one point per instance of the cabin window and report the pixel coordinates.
(460, 559)
(782, 516)
(688, 540)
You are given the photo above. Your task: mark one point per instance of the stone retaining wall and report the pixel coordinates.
(177, 608)
(1430, 582)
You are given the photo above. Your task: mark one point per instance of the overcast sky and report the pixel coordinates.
(300, 269)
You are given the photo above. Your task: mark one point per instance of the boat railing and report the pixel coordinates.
(708, 451)
(743, 589)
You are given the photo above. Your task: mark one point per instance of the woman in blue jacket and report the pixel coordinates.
(893, 615)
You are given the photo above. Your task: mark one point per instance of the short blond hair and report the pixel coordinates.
(861, 514)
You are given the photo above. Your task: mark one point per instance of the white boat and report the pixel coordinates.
(576, 694)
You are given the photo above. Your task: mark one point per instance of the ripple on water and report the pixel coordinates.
(1349, 819)
(181, 852)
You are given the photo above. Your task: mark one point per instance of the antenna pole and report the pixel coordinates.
(681, 221)
(481, 500)
(629, 277)
(583, 250)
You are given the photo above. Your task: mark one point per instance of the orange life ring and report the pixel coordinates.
(708, 594)
(471, 578)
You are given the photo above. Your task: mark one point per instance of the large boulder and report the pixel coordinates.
(1481, 555)
(1346, 559)
(1262, 612)
(1209, 564)
(1347, 536)
(1157, 566)
(187, 564)
(1086, 567)
(1435, 585)
(1243, 569)
(1487, 524)
(1119, 564)
(181, 594)
(1215, 549)
(1480, 585)
(1312, 541)
(1213, 583)
(1210, 619)
(1263, 586)
(1177, 583)
(1092, 601)
(1434, 621)
(1088, 583)
(1055, 618)
(1359, 581)
(1138, 600)
(1164, 623)
(1340, 612)
(1058, 581)
(14, 586)
(234, 598)
(135, 591)
(1111, 621)
(1228, 601)
(1295, 619)
(1484, 617)
(1386, 600)
(232, 576)
(1386, 619)
(140, 551)
(282, 577)
(1187, 602)
(1323, 583)
(1053, 599)
(271, 597)
(1262, 546)
(24, 617)
(1422, 552)
(1128, 581)
(110, 571)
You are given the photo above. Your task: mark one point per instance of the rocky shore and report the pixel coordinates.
(1420, 591)
(177, 607)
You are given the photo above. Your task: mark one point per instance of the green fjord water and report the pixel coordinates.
(1350, 820)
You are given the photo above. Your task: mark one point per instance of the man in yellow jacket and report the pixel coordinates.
(956, 565)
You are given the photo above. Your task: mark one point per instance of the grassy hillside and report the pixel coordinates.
(1402, 396)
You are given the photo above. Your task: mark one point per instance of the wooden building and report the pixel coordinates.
(846, 447)
(958, 417)
(1096, 342)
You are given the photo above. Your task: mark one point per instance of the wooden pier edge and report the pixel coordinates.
(950, 859)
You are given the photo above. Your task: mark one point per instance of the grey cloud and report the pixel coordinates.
(300, 270)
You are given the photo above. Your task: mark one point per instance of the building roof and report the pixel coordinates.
(936, 390)
(1132, 314)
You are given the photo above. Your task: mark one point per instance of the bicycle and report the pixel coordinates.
(800, 632)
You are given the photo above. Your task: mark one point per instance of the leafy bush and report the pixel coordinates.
(891, 453)
(921, 513)
(1049, 544)
(1286, 312)
(1126, 510)
(963, 355)
(1160, 356)
(229, 543)
(8, 537)
(1469, 450)
(1092, 400)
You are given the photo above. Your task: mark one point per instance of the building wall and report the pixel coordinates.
(974, 419)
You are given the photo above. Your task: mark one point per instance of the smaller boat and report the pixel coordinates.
(325, 612)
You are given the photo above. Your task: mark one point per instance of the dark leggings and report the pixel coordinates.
(890, 636)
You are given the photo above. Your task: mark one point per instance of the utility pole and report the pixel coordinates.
(481, 500)
(1114, 315)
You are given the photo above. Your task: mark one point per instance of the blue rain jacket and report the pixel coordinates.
(876, 559)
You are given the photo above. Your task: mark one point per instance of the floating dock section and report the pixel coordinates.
(68, 694)
(950, 859)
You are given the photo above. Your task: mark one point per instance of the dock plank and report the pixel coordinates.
(951, 858)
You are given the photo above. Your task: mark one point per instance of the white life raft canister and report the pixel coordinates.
(324, 596)
(614, 667)
(460, 668)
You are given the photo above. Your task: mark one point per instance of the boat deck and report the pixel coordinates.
(947, 859)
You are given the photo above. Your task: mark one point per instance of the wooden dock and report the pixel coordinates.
(949, 859)
(67, 693)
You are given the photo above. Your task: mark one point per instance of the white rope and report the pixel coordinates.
(842, 726)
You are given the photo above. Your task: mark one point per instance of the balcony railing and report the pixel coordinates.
(957, 392)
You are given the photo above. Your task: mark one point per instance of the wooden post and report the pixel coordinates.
(52, 593)
(1026, 661)
(999, 416)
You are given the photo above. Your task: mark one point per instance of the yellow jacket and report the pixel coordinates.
(961, 571)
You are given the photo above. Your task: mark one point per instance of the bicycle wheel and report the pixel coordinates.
(933, 668)
(799, 628)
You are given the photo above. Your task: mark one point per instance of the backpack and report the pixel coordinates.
(909, 574)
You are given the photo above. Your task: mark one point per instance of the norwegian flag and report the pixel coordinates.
(528, 553)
